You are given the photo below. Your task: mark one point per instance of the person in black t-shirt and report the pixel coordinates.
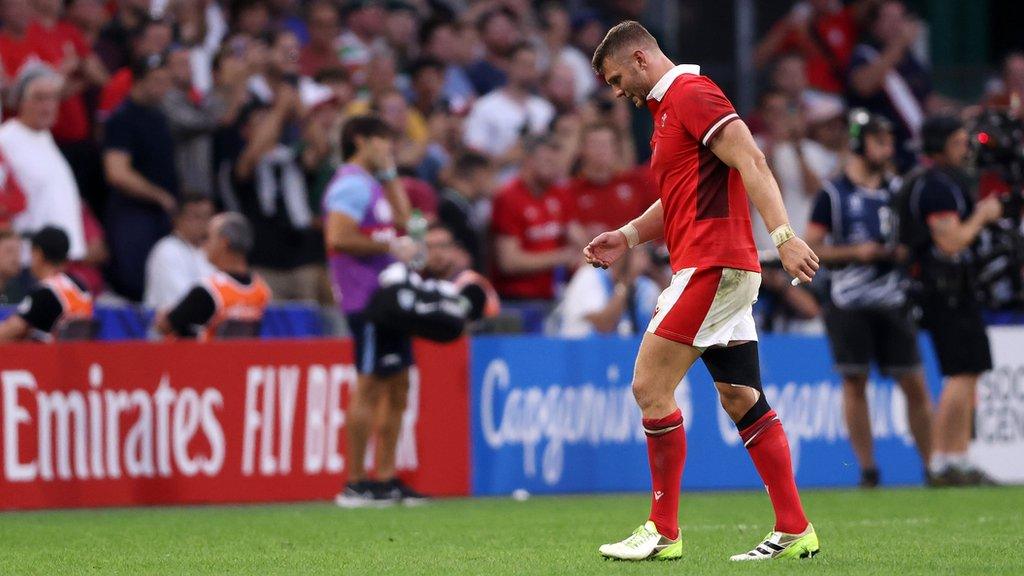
(138, 159)
(56, 300)
(940, 222)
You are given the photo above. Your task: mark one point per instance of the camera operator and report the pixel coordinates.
(868, 319)
(939, 223)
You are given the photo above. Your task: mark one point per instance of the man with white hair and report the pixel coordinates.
(43, 173)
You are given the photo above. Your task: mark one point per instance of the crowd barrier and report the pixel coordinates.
(291, 320)
(556, 416)
(137, 423)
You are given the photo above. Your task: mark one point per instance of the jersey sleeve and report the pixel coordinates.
(821, 213)
(348, 195)
(937, 199)
(703, 109)
(192, 312)
(118, 134)
(41, 309)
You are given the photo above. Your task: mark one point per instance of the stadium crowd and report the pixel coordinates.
(129, 124)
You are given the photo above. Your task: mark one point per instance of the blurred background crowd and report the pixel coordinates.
(130, 123)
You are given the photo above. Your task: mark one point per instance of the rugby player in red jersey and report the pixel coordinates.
(706, 165)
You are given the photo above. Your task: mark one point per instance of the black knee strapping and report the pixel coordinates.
(740, 366)
(760, 408)
(734, 365)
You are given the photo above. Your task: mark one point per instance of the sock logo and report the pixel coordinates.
(658, 495)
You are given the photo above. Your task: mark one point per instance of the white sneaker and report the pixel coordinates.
(782, 545)
(644, 544)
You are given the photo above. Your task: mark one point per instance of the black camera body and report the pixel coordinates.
(998, 144)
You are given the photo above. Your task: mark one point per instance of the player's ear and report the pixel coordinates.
(640, 58)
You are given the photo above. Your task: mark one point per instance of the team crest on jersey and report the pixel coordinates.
(624, 191)
(530, 213)
(553, 205)
(664, 117)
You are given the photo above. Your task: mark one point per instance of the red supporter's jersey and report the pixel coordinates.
(607, 206)
(707, 219)
(540, 223)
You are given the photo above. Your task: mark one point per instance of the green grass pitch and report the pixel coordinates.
(887, 532)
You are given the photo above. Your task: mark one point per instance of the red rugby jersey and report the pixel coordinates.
(707, 219)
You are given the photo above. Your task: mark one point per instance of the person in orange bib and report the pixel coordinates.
(229, 303)
(57, 301)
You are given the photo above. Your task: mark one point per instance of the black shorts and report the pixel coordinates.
(858, 336)
(958, 335)
(377, 351)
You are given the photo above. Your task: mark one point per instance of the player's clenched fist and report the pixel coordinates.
(798, 259)
(606, 248)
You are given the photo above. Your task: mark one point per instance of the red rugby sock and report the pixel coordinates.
(769, 449)
(666, 452)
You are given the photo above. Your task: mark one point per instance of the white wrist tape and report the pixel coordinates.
(632, 235)
(782, 234)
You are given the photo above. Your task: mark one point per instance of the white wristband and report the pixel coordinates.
(632, 235)
(782, 234)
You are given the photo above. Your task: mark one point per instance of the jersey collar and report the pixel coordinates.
(659, 90)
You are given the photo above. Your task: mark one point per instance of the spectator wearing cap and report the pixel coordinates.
(499, 31)
(498, 121)
(177, 262)
(57, 300)
(231, 300)
(44, 176)
(534, 227)
(444, 41)
(151, 38)
(138, 159)
(321, 51)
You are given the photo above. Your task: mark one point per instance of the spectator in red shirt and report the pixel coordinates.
(68, 52)
(324, 28)
(824, 32)
(534, 227)
(16, 47)
(1011, 89)
(606, 194)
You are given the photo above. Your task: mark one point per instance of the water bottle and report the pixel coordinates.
(417, 230)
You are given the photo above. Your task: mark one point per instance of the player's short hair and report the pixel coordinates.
(237, 232)
(363, 126)
(628, 34)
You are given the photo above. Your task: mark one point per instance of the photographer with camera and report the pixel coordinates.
(868, 319)
(939, 223)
